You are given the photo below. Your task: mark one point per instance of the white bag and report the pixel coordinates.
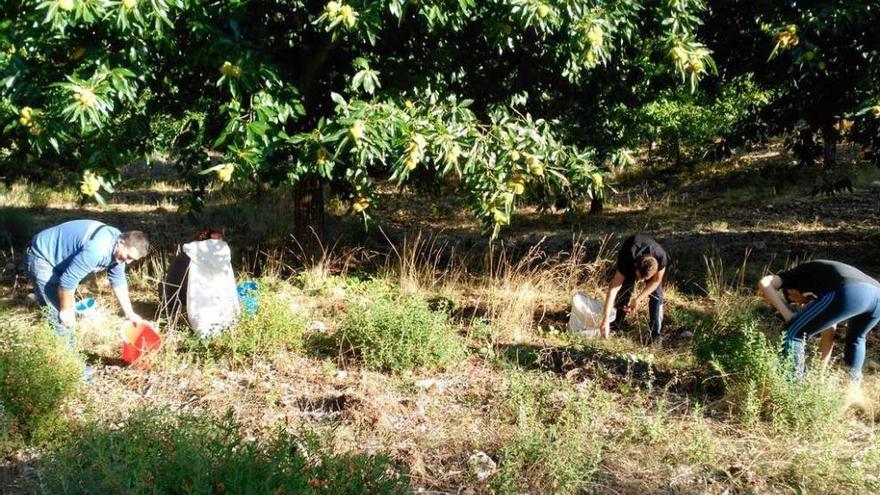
(211, 299)
(586, 315)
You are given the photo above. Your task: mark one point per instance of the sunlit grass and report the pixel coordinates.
(29, 195)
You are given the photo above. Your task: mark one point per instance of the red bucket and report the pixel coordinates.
(137, 340)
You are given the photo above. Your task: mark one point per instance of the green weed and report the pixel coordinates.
(37, 373)
(274, 328)
(557, 447)
(649, 427)
(393, 332)
(155, 452)
(759, 383)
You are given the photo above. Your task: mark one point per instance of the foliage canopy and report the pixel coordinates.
(487, 95)
(507, 101)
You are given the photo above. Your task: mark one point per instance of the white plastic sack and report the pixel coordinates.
(211, 299)
(586, 315)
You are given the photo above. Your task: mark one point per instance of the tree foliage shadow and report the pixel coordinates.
(322, 345)
(16, 475)
(253, 230)
(611, 370)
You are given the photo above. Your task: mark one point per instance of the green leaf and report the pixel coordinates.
(336, 97)
(258, 128)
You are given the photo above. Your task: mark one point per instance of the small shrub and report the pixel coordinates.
(759, 383)
(274, 328)
(155, 452)
(369, 288)
(732, 345)
(556, 448)
(37, 373)
(681, 319)
(392, 333)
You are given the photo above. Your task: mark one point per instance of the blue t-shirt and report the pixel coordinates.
(80, 247)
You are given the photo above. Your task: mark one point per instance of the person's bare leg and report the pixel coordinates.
(826, 344)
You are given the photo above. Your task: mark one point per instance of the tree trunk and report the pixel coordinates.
(308, 217)
(829, 141)
(676, 143)
(312, 72)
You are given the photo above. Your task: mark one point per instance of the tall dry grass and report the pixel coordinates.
(425, 263)
(510, 290)
(518, 293)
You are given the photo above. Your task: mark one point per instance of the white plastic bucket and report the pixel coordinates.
(586, 315)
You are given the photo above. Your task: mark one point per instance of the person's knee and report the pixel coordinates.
(655, 303)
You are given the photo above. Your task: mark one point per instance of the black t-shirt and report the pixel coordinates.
(634, 248)
(821, 276)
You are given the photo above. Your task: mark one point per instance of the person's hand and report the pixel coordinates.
(604, 329)
(67, 317)
(633, 305)
(787, 314)
(134, 318)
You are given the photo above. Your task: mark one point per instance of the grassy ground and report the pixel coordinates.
(450, 369)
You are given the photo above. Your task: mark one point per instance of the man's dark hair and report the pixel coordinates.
(136, 240)
(647, 266)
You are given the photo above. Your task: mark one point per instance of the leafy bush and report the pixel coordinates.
(163, 130)
(274, 328)
(392, 332)
(37, 373)
(555, 448)
(684, 122)
(759, 383)
(156, 452)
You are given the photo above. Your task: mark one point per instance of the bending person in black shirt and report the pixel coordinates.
(640, 258)
(837, 292)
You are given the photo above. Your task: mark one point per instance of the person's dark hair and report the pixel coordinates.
(647, 266)
(208, 234)
(136, 240)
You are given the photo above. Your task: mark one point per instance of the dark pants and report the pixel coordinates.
(655, 307)
(45, 281)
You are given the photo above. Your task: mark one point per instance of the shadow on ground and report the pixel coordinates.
(846, 227)
(614, 372)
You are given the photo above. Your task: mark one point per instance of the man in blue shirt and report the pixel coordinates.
(59, 257)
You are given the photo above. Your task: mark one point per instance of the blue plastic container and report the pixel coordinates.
(247, 294)
(85, 306)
